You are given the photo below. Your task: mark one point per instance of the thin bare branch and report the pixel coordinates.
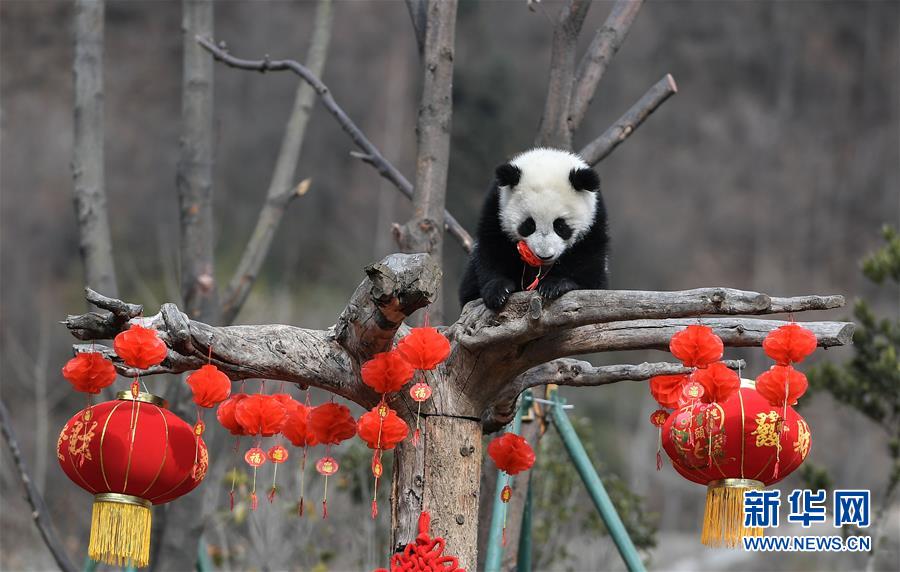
(280, 192)
(599, 148)
(89, 191)
(419, 19)
(39, 512)
(374, 157)
(554, 130)
(607, 41)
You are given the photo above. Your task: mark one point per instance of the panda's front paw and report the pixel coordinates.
(552, 288)
(496, 292)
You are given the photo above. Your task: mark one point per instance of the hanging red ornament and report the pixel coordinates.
(424, 348)
(782, 383)
(331, 423)
(788, 344)
(511, 453)
(387, 372)
(209, 386)
(295, 426)
(424, 554)
(719, 383)
(326, 466)
(226, 411)
(666, 389)
(140, 347)
(285, 399)
(130, 453)
(260, 414)
(382, 432)
(89, 372)
(697, 346)
(277, 454)
(658, 419)
(527, 256)
(420, 392)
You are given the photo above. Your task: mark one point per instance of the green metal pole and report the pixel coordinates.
(494, 557)
(595, 487)
(523, 560)
(204, 562)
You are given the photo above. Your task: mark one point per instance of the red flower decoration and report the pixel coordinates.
(387, 372)
(666, 389)
(789, 344)
(719, 383)
(225, 414)
(392, 429)
(140, 347)
(89, 372)
(424, 348)
(772, 384)
(260, 415)
(209, 386)
(697, 346)
(295, 425)
(511, 453)
(527, 256)
(331, 423)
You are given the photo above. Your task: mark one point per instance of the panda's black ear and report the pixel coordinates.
(508, 175)
(585, 179)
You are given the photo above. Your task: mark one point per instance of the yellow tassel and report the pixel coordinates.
(723, 520)
(120, 530)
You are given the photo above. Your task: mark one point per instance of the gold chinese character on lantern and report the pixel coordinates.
(767, 429)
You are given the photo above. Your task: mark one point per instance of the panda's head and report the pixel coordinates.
(548, 198)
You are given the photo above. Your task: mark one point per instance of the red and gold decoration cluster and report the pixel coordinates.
(729, 434)
(512, 454)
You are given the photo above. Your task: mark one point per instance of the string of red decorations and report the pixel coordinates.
(512, 454)
(330, 424)
(381, 429)
(424, 349)
(296, 430)
(259, 415)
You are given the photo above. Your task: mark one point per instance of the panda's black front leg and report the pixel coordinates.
(495, 292)
(552, 287)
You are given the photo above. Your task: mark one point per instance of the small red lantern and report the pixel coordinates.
(387, 372)
(782, 384)
(130, 453)
(89, 372)
(789, 344)
(209, 386)
(658, 419)
(140, 347)
(329, 424)
(225, 414)
(666, 389)
(512, 454)
(424, 348)
(381, 429)
(295, 426)
(260, 414)
(697, 346)
(719, 383)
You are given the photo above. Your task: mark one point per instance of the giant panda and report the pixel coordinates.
(550, 199)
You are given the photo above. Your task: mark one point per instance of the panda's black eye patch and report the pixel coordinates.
(562, 228)
(527, 227)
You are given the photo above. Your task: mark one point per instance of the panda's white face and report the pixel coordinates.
(543, 207)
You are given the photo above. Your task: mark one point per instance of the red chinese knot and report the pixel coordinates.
(89, 372)
(140, 347)
(424, 554)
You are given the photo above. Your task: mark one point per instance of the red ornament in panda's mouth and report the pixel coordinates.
(527, 256)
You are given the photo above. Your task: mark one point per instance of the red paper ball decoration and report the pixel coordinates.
(260, 414)
(140, 347)
(424, 348)
(780, 383)
(209, 386)
(295, 425)
(285, 399)
(387, 372)
(719, 383)
(697, 346)
(378, 434)
(511, 453)
(130, 453)
(89, 372)
(331, 423)
(225, 414)
(666, 389)
(788, 344)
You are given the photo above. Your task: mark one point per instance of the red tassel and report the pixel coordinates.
(416, 438)
(300, 507)
(271, 495)
(533, 285)
(231, 498)
(374, 509)
(658, 461)
(775, 470)
(254, 501)
(504, 536)
(324, 509)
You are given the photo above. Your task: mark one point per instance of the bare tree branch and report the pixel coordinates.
(419, 17)
(372, 155)
(423, 232)
(87, 149)
(607, 41)
(554, 129)
(281, 192)
(599, 148)
(39, 512)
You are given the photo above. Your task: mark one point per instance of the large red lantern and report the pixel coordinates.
(130, 453)
(731, 447)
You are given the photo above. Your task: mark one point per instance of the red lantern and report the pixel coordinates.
(331, 423)
(140, 347)
(731, 447)
(719, 383)
(782, 384)
(260, 414)
(511, 453)
(209, 386)
(295, 426)
(658, 419)
(225, 414)
(89, 372)
(666, 389)
(382, 433)
(697, 346)
(788, 344)
(424, 348)
(130, 453)
(527, 256)
(387, 372)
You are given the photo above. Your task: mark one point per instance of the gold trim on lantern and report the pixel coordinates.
(742, 483)
(123, 499)
(144, 397)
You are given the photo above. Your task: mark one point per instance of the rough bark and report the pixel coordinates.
(88, 149)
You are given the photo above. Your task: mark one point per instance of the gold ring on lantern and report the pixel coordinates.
(144, 397)
(736, 483)
(123, 499)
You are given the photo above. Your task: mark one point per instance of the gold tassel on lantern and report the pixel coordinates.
(120, 530)
(723, 520)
